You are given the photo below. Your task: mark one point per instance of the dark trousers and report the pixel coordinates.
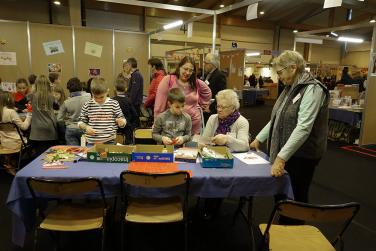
(301, 172)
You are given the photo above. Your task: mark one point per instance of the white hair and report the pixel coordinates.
(213, 59)
(230, 97)
(288, 58)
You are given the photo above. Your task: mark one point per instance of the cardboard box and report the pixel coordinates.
(153, 153)
(218, 162)
(110, 153)
(186, 154)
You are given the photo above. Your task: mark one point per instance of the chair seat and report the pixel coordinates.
(154, 211)
(296, 238)
(73, 218)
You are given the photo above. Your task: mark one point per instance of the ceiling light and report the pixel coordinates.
(222, 5)
(327, 35)
(57, 2)
(262, 12)
(252, 54)
(372, 21)
(334, 34)
(295, 31)
(173, 24)
(350, 39)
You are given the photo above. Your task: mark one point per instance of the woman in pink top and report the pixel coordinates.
(197, 93)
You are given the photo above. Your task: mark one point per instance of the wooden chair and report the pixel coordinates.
(143, 136)
(70, 214)
(6, 152)
(154, 210)
(306, 237)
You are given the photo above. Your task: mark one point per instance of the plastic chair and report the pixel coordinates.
(306, 237)
(68, 215)
(143, 136)
(154, 210)
(11, 127)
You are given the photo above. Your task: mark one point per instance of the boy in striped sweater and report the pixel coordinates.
(101, 116)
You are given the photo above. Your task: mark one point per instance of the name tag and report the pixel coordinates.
(207, 82)
(297, 97)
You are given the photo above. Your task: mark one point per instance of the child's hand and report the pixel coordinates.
(24, 110)
(220, 139)
(179, 140)
(121, 122)
(90, 130)
(166, 140)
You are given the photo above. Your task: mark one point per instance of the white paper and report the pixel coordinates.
(250, 158)
(8, 86)
(332, 3)
(252, 11)
(53, 47)
(8, 58)
(190, 30)
(93, 49)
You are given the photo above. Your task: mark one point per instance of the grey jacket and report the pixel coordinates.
(70, 110)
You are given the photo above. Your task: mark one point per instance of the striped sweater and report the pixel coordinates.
(101, 117)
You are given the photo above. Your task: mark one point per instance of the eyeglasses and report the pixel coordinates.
(222, 107)
(189, 70)
(281, 70)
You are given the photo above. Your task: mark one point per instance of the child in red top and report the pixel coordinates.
(20, 99)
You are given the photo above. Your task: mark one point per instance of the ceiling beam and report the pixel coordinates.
(339, 28)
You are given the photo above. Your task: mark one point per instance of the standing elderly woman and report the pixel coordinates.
(228, 127)
(298, 128)
(197, 93)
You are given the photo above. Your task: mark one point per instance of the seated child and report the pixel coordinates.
(101, 116)
(20, 98)
(173, 126)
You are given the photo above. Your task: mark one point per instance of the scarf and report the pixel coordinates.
(224, 124)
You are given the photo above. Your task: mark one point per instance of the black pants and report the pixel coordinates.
(301, 172)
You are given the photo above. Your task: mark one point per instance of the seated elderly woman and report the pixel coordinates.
(228, 127)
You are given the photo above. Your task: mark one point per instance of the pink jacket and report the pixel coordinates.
(193, 99)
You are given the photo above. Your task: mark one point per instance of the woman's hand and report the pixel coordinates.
(278, 167)
(166, 140)
(220, 139)
(255, 145)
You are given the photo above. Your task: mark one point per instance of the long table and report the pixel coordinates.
(241, 180)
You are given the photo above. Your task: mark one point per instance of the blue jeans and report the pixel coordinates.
(73, 136)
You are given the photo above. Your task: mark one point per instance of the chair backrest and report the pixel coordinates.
(143, 136)
(341, 214)
(152, 180)
(64, 188)
(11, 127)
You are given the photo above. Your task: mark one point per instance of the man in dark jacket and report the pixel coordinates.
(136, 84)
(215, 79)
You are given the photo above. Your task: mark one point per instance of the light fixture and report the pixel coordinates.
(350, 39)
(334, 34)
(57, 2)
(252, 54)
(222, 5)
(172, 25)
(327, 35)
(262, 12)
(295, 31)
(372, 21)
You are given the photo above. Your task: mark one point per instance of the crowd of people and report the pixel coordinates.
(296, 133)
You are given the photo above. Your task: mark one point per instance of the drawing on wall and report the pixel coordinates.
(8, 58)
(53, 47)
(8, 86)
(93, 49)
(56, 68)
(94, 72)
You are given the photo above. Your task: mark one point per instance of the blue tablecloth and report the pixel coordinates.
(242, 180)
(250, 95)
(347, 116)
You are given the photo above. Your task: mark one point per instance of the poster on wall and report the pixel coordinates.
(8, 86)
(53, 47)
(8, 58)
(94, 72)
(56, 68)
(93, 49)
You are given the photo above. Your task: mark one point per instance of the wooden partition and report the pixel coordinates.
(368, 132)
(232, 62)
(14, 37)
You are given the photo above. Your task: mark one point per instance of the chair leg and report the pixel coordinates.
(238, 209)
(186, 235)
(103, 238)
(122, 235)
(36, 233)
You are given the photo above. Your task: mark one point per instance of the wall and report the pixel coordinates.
(111, 20)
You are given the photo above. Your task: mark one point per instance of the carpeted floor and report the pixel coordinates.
(341, 176)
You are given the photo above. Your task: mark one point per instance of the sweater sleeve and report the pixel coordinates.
(152, 93)
(62, 111)
(161, 97)
(209, 128)
(204, 93)
(23, 125)
(239, 142)
(188, 129)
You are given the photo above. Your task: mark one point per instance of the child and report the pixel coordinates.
(174, 125)
(43, 125)
(20, 98)
(59, 95)
(128, 110)
(101, 116)
(70, 112)
(54, 79)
